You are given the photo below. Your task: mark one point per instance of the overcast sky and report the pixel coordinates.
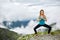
(25, 9)
(13, 10)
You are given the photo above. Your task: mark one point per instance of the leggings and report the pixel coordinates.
(45, 25)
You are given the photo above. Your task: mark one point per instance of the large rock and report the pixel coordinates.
(46, 37)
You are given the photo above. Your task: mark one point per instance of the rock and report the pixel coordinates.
(46, 37)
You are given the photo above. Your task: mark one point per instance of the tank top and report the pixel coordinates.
(41, 21)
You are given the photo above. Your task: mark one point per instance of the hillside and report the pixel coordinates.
(5, 34)
(42, 36)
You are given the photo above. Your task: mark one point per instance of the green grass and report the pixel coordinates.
(10, 35)
(6, 34)
(55, 32)
(26, 37)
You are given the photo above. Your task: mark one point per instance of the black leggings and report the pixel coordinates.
(45, 25)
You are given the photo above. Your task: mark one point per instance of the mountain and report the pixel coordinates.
(6, 34)
(13, 24)
(27, 30)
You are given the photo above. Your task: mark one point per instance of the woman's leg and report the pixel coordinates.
(48, 27)
(36, 28)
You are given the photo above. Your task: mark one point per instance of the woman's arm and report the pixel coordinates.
(38, 19)
(45, 18)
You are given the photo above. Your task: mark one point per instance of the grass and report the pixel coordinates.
(10, 35)
(26, 37)
(5, 34)
(55, 32)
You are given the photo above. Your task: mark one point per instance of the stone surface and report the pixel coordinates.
(46, 37)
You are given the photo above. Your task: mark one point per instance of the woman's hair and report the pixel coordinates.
(43, 13)
(41, 10)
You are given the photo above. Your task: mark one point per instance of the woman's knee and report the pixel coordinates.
(34, 28)
(50, 28)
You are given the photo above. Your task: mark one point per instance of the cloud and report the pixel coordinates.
(2, 26)
(27, 30)
(10, 10)
(32, 1)
(20, 11)
(15, 11)
(47, 3)
(30, 28)
(35, 1)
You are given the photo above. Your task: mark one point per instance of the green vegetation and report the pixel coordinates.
(6, 34)
(27, 37)
(55, 32)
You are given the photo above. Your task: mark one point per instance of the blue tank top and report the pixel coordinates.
(42, 22)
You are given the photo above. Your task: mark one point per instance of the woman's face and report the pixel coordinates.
(41, 12)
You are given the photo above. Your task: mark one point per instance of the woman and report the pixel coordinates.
(42, 19)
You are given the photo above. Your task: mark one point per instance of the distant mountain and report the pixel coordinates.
(27, 30)
(13, 24)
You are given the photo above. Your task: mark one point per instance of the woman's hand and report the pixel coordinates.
(45, 18)
(38, 19)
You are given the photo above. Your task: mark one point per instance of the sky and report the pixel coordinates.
(26, 9)
(13, 10)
